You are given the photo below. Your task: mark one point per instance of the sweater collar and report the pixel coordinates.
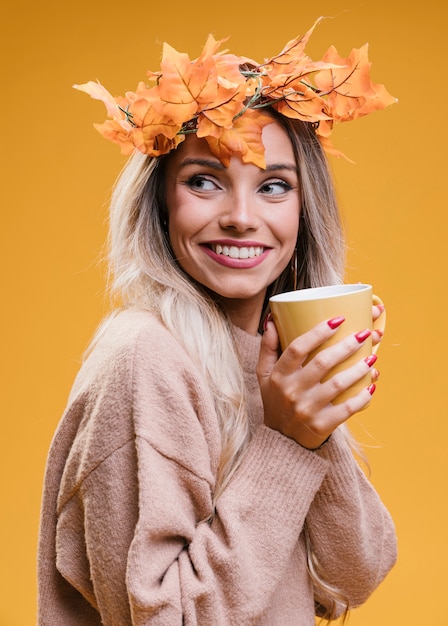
(248, 347)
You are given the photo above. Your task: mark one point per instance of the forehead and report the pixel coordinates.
(277, 145)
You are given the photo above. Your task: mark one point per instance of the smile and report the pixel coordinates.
(234, 252)
(233, 256)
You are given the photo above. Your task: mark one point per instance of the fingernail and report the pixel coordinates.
(363, 335)
(370, 360)
(267, 319)
(381, 307)
(335, 322)
(371, 389)
(379, 332)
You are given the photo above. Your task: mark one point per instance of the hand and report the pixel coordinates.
(296, 402)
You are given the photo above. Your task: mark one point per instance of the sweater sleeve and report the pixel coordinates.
(351, 532)
(226, 571)
(149, 556)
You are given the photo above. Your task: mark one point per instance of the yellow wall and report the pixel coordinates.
(57, 172)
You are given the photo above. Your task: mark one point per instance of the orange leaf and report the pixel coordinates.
(351, 92)
(183, 85)
(300, 102)
(211, 48)
(293, 54)
(98, 92)
(114, 131)
(243, 138)
(225, 108)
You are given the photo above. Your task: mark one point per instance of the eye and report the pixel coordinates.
(201, 183)
(275, 188)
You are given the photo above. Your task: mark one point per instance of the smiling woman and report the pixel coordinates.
(198, 476)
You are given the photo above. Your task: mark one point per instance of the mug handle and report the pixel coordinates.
(380, 322)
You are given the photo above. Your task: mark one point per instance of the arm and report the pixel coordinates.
(227, 571)
(139, 483)
(351, 532)
(349, 529)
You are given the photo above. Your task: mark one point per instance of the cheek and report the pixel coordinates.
(177, 213)
(290, 228)
(184, 223)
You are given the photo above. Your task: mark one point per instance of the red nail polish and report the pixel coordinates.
(371, 389)
(379, 332)
(335, 322)
(370, 360)
(363, 335)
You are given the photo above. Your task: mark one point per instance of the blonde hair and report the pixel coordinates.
(145, 274)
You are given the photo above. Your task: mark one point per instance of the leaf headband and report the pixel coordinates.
(222, 97)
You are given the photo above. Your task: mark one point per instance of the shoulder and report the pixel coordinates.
(127, 342)
(129, 329)
(137, 381)
(135, 370)
(139, 377)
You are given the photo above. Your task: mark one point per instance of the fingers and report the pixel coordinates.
(311, 430)
(299, 350)
(316, 366)
(377, 336)
(377, 310)
(345, 378)
(268, 352)
(299, 387)
(323, 362)
(335, 415)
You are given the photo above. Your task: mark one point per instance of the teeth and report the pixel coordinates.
(238, 253)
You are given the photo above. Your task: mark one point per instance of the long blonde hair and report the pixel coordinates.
(145, 274)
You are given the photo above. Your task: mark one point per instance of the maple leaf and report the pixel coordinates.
(114, 131)
(154, 139)
(293, 54)
(211, 48)
(232, 89)
(351, 93)
(98, 92)
(228, 104)
(244, 138)
(301, 102)
(184, 85)
(323, 132)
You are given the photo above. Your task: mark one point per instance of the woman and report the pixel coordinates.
(197, 476)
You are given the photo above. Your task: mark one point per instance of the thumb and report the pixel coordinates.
(269, 353)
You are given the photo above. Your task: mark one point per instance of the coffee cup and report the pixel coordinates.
(296, 312)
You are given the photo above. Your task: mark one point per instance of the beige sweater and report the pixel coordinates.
(130, 476)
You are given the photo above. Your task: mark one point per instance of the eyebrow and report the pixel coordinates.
(281, 166)
(217, 165)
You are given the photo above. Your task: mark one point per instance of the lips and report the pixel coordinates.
(238, 255)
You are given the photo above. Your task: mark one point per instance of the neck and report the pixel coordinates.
(243, 314)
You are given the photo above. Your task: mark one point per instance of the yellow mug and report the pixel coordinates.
(296, 312)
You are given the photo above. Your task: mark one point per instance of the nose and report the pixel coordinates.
(239, 213)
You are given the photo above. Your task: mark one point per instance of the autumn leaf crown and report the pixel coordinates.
(223, 98)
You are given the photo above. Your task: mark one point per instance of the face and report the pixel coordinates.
(233, 229)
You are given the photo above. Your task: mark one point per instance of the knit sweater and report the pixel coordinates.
(129, 482)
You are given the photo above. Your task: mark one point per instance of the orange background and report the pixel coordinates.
(57, 173)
